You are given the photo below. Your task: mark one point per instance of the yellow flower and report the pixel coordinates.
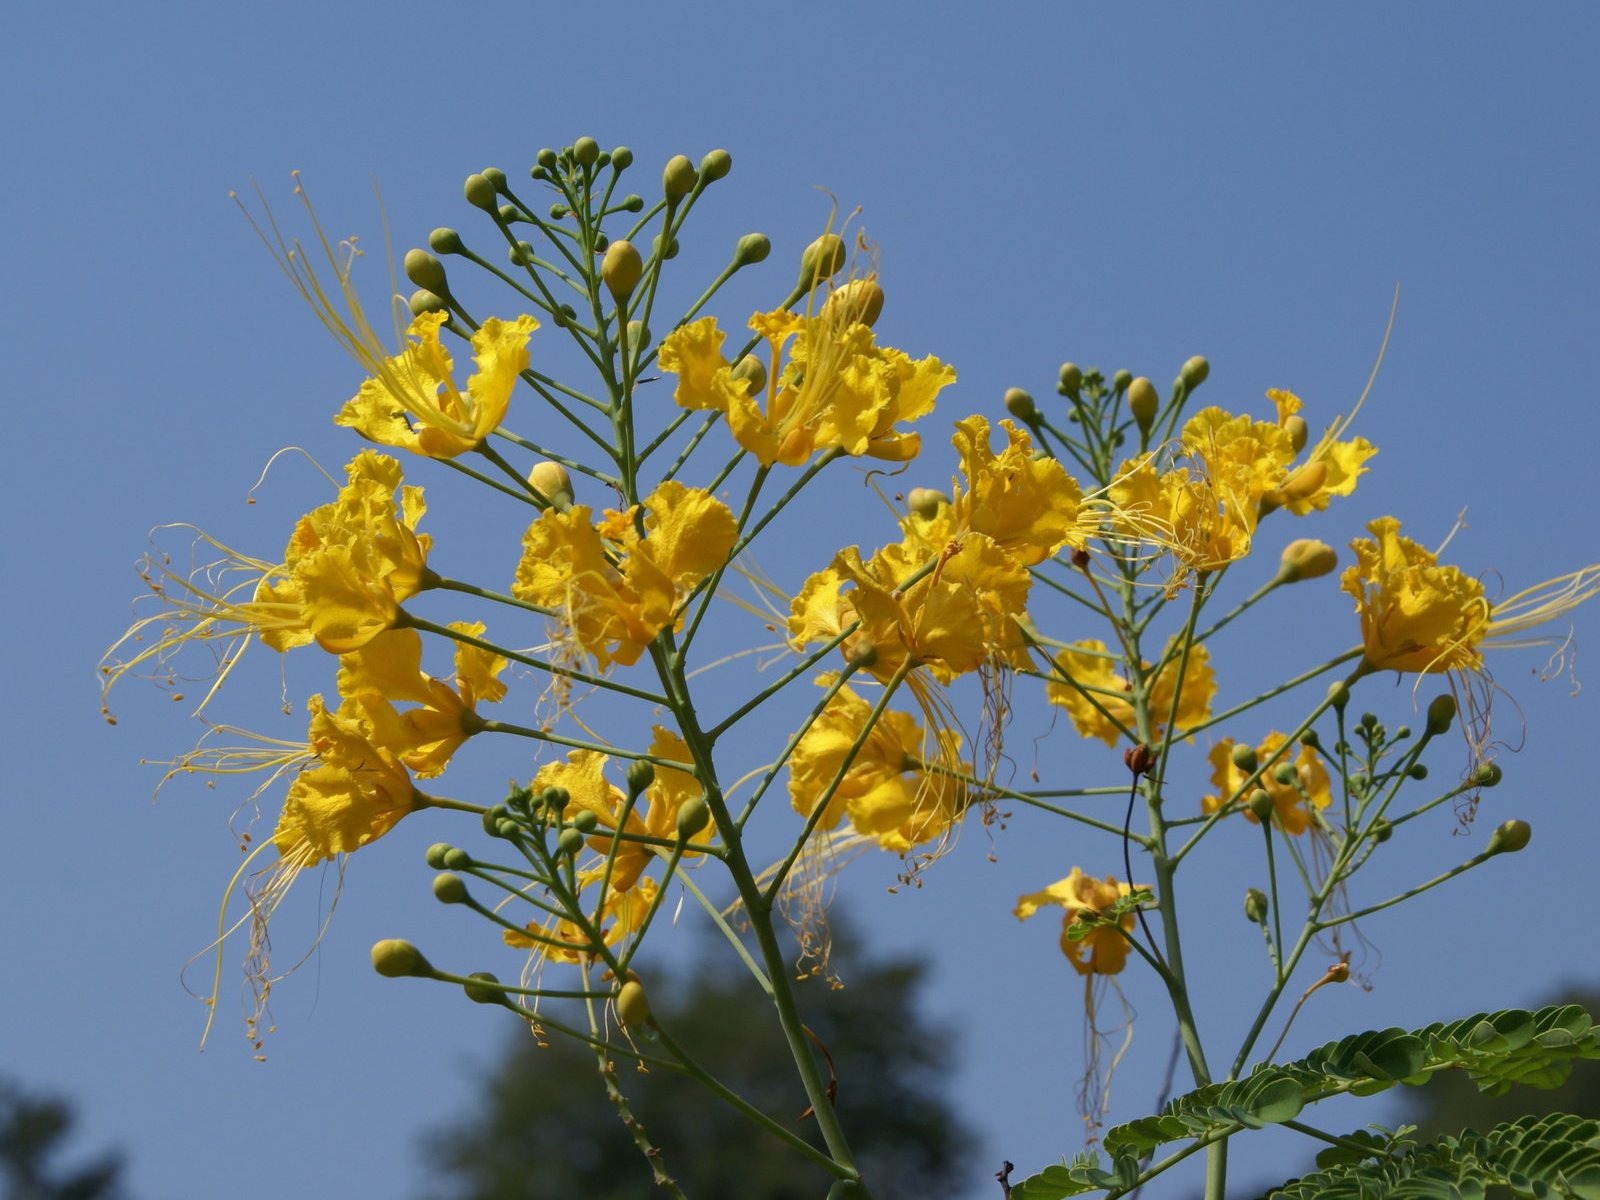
(413, 402)
(836, 389)
(1415, 614)
(1290, 800)
(1104, 949)
(1331, 467)
(886, 792)
(615, 587)
(1088, 664)
(1182, 511)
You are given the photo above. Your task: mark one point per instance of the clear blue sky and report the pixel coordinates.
(1118, 185)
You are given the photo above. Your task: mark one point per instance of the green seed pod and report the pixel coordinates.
(1021, 406)
(426, 271)
(1070, 380)
(1260, 803)
(586, 150)
(822, 259)
(1488, 775)
(655, 248)
(1121, 380)
(1306, 558)
(480, 193)
(1143, 402)
(926, 502)
(622, 158)
(1243, 757)
(585, 821)
(570, 841)
(484, 988)
(397, 959)
(1255, 905)
(752, 372)
(1299, 432)
(445, 240)
(694, 814)
(546, 158)
(422, 301)
(621, 269)
(435, 855)
(495, 176)
(640, 776)
(552, 481)
(751, 248)
(1194, 372)
(716, 165)
(455, 859)
(449, 888)
(678, 178)
(1441, 714)
(1509, 837)
(633, 1006)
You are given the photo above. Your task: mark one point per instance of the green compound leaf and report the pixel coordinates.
(1535, 1157)
(1494, 1049)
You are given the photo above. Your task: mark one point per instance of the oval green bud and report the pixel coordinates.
(858, 302)
(522, 254)
(1069, 380)
(484, 988)
(455, 859)
(1194, 372)
(1441, 714)
(752, 372)
(398, 959)
(585, 821)
(1299, 432)
(426, 271)
(638, 334)
(495, 176)
(1509, 837)
(633, 1006)
(1339, 695)
(694, 814)
(506, 828)
(678, 178)
(752, 248)
(640, 776)
(1260, 803)
(558, 212)
(1418, 771)
(449, 888)
(633, 204)
(546, 158)
(510, 214)
(570, 841)
(435, 855)
(556, 798)
(1488, 775)
(1255, 905)
(655, 248)
(716, 165)
(423, 301)
(822, 259)
(926, 502)
(586, 150)
(1020, 405)
(1382, 831)
(1306, 558)
(1243, 757)
(445, 240)
(552, 481)
(1286, 773)
(621, 269)
(480, 193)
(1143, 402)
(492, 819)
(1121, 380)
(622, 158)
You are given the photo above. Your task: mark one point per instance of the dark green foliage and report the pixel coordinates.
(545, 1128)
(32, 1130)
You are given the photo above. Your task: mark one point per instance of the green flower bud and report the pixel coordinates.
(426, 271)
(484, 988)
(1418, 771)
(1441, 714)
(752, 372)
(715, 165)
(546, 158)
(1255, 905)
(1310, 738)
(422, 301)
(495, 176)
(558, 212)
(678, 178)
(694, 814)
(480, 193)
(1143, 401)
(586, 150)
(1402, 732)
(1488, 775)
(1243, 757)
(1286, 774)
(435, 855)
(1260, 803)
(638, 334)
(1306, 558)
(1021, 406)
(449, 888)
(926, 502)
(522, 254)
(622, 158)
(751, 248)
(620, 270)
(633, 203)
(397, 959)
(1339, 695)
(570, 841)
(445, 240)
(1382, 831)
(859, 302)
(552, 481)
(506, 828)
(1121, 380)
(633, 1006)
(1194, 372)
(1297, 429)
(1070, 380)
(1509, 837)
(655, 248)
(556, 798)
(822, 259)
(640, 776)
(585, 821)
(492, 819)
(454, 859)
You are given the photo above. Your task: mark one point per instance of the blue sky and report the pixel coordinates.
(1117, 185)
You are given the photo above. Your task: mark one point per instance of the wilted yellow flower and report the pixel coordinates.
(1290, 800)
(1089, 664)
(1104, 949)
(835, 389)
(615, 588)
(887, 792)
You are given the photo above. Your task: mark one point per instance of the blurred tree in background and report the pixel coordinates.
(32, 1132)
(546, 1129)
